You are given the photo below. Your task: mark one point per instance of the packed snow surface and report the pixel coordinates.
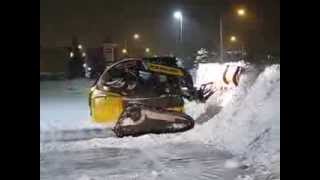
(236, 136)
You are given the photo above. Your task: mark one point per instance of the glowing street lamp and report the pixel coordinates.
(79, 46)
(136, 36)
(241, 12)
(147, 50)
(177, 15)
(71, 54)
(233, 38)
(124, 51)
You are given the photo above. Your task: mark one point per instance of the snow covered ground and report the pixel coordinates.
(237, 135)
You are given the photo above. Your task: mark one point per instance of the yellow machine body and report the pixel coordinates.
(106, 107)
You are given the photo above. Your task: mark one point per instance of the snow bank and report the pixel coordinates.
(213, 72)
(249, 123)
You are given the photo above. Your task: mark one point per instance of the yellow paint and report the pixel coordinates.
(165, 69)
(178, 109)
(106, 109)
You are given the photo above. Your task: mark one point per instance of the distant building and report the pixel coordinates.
(99, 58)
(53, 61)
(110, 52)
(76, 60)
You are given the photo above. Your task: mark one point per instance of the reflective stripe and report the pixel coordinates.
(165, 69)
(178, 109)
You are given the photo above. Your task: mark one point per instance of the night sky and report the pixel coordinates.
(95, 20)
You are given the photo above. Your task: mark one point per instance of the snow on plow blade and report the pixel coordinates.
(222, 75)
(139, 120)
(231, 74)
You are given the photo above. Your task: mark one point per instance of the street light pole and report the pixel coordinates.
(181, 40)
(178, 15)
(221, 39)
(125, 44)
(181, 30)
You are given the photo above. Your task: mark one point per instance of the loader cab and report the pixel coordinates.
(105, 105)
(128, 68)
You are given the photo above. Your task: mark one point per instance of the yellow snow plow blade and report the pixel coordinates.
(106, 109)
